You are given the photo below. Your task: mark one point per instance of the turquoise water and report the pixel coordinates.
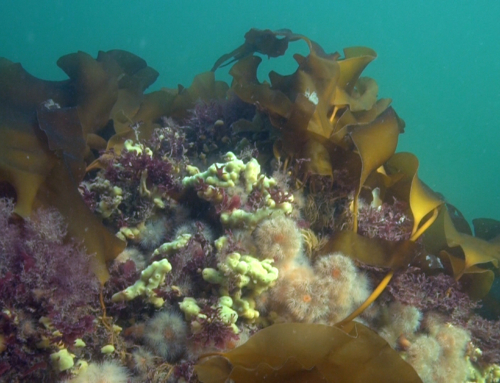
(438, 61)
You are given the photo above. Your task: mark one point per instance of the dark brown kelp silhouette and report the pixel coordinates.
(299, 352)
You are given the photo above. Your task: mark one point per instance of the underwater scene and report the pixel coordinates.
(210, 192)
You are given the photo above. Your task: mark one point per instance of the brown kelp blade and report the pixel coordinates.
(249, 89)
(375, 143)
(476, 281)
(301, 352)
(443, 235)
(469, 258)
(43, 128)
(266, 42)
(323, 105)
(372, 251)
(410, 189)
(476, 250)
(355, 61)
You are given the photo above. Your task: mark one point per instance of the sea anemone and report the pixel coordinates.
(142, 360)
(106, 372)
(278, 238)
(347, 288)
(440, 356)
(165, 334)
(297, 297)
(422, 354)
(154, 233)
(402, 320)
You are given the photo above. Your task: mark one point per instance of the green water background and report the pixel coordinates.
(438, 60)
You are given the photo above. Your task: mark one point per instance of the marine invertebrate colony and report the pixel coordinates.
(166, 334)
(252, 215)
(107, 372)
(278, 238)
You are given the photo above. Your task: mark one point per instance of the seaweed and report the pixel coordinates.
(333, 142)
(299, 352)
(50, 123)
(324, 111)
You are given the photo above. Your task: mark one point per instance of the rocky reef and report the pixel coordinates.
(252, 232)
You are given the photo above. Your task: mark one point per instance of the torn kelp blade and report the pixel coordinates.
(302, 352)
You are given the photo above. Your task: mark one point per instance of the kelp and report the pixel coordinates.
(47, 131)
(468, 256)
(79, 107)
(399, 178)
(329, 115)
(410, 189)
(266, 42)
(394, 255)
(51, 130)
(322, 108)
(136, 115)
(133, 107)
(375, 143)
(300, 352)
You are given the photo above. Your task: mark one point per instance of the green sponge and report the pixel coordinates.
(151, 278)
